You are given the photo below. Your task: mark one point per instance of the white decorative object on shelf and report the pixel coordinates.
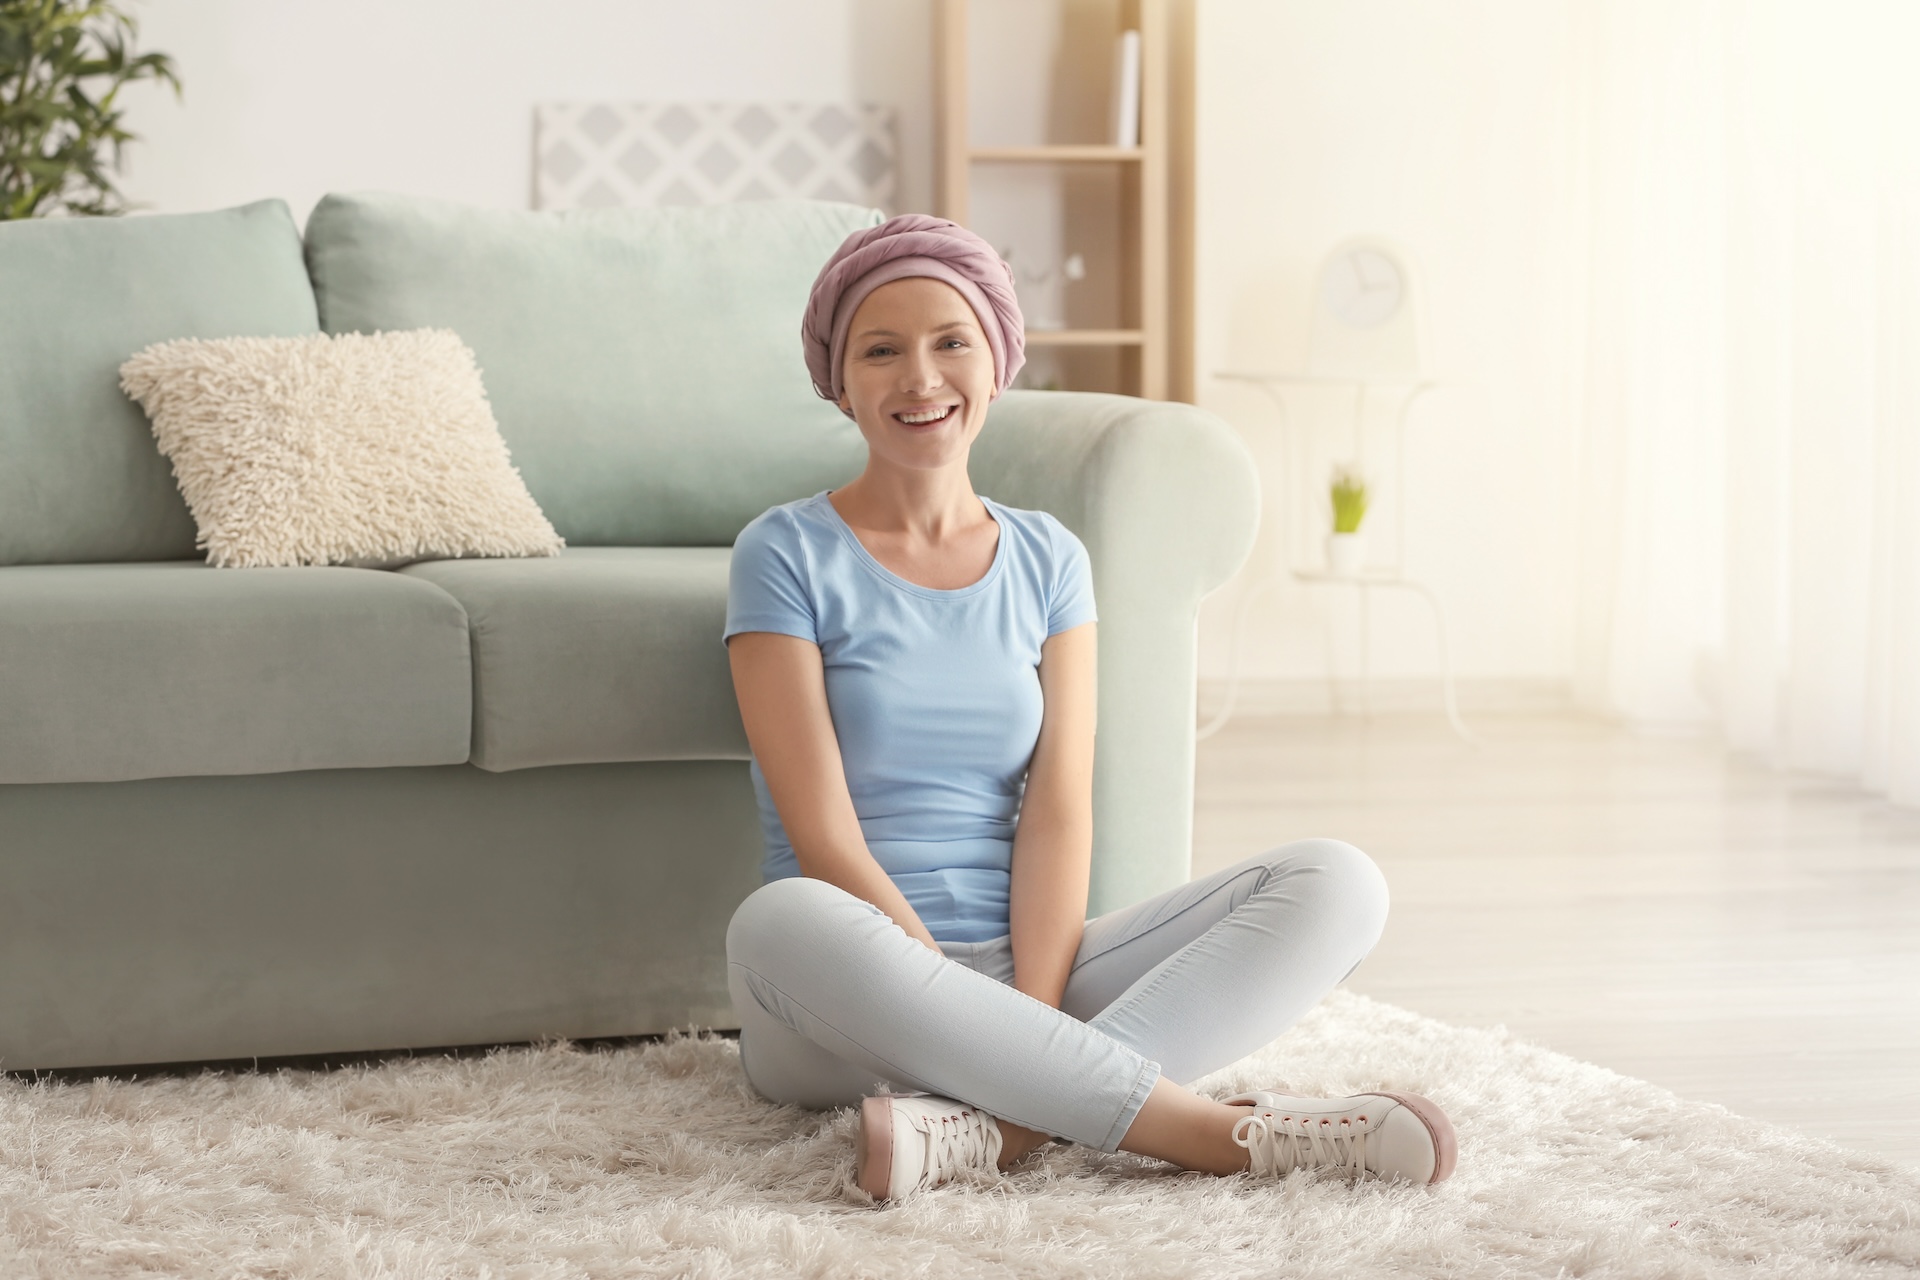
(591, 155)
(1042, 290)
(1346, 554)
(1126, 90)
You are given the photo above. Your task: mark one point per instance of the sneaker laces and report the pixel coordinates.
(1277, 1145)
(960, 1140)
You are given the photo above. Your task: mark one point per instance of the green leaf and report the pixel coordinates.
(62, 66)
(1349, 494)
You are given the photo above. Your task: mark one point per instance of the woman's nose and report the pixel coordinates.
(920, 374)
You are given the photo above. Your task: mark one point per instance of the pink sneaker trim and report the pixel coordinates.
(873, 1160)
(1446, 1147)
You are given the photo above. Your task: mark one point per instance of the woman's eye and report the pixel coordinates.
(876, 352)
(955, 342)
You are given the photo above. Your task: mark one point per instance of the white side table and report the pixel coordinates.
(1368, 580)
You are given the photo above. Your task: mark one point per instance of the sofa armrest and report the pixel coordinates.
(1167, 501)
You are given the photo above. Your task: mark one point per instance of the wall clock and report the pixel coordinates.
(1362, 288)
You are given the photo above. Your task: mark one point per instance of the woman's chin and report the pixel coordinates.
(921, 448)
(923, 454)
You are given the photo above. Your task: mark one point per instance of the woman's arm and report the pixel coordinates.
(782, 690)
(1053, 845)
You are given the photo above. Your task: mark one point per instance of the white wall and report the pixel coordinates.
(295, 98)
(1448, 127)
(1451, 129)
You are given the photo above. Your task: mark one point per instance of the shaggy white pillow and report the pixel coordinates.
(342, 449)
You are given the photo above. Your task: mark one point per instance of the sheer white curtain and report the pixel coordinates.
(1751, 504)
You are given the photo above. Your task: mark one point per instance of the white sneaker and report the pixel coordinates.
(1379, 1135)
(912, 1142)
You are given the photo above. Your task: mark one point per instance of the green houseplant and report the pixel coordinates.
(62, 66)
(1346, 545)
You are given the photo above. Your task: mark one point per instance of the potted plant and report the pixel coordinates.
(1346, 545)
(62, 66)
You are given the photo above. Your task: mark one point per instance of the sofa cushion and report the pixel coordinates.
(601, 654)
(118, 671)
(81, 478)
(644, 364)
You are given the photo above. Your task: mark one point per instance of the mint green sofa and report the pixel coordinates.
(253, 812)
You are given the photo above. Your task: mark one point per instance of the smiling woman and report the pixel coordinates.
(915, 670)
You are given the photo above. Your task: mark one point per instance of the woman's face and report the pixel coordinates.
(919, 373)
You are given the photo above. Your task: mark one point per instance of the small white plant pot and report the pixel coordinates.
(1346, 554)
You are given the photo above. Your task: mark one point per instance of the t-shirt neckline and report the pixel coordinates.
(885, 574)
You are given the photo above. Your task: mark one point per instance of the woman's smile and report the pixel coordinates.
(929, 416)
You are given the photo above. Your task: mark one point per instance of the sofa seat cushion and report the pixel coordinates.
(116, 671)
(598, 655)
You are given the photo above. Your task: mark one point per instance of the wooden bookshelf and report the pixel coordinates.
(1142, 338)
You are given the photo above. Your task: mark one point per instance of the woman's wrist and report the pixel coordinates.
(1042, 964)
(1048, 991)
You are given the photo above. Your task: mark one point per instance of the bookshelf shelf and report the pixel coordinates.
(1085, 337)
(1065, 153)
(1142, 340)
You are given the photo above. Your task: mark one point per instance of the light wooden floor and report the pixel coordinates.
(1649, 904)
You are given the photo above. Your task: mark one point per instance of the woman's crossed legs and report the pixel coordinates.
(834, 998)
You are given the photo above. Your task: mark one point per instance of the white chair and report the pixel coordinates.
(1363, 334)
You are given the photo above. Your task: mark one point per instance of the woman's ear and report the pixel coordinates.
(846, 404)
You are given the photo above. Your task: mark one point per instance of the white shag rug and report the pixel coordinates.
(654, 1160)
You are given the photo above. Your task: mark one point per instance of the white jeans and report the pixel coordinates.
(835, 999)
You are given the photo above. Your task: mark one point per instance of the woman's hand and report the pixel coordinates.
(782, 689)
(1053, 845)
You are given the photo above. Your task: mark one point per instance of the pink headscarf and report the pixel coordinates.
(912, 244)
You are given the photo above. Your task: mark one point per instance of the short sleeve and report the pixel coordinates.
(1070, 602)
(767, 581)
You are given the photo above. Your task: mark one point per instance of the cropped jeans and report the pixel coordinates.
(836, 1000)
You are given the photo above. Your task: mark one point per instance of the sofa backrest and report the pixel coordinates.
(644, 364)
(80, 477)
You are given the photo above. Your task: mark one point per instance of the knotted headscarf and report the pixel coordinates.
(913, 244)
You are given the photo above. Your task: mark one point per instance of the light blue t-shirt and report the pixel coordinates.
(935, 695)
